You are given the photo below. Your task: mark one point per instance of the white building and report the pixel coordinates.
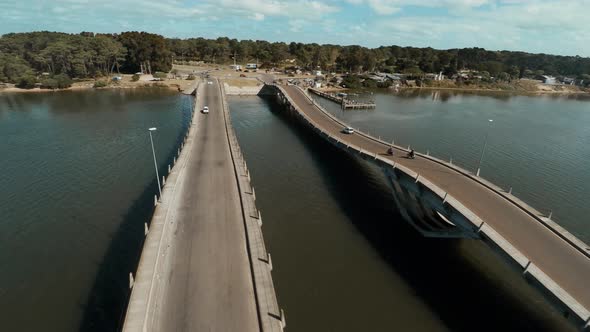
(549, 79)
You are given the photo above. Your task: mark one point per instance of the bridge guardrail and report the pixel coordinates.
(271, 317)
(556, 291)
(139, 313)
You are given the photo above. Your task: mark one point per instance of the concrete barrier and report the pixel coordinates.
(270, 315)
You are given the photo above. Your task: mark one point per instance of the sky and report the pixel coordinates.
(538, 26)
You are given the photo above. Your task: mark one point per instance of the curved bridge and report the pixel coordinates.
(442, 200)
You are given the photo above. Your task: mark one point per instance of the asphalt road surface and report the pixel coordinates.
(208, 276)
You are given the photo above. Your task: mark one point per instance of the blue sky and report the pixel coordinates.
(540, 26)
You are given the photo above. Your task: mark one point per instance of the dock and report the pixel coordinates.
(344, 102)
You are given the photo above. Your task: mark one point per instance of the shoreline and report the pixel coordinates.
(538, 92)
(178, 86)
(465, 90)
(81, 88)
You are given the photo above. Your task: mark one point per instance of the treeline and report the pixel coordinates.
(356, 59)
(29, 58)
(52, 58)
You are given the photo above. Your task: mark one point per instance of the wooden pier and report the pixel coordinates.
(344, 103)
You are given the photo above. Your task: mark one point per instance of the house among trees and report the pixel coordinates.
(547, 79)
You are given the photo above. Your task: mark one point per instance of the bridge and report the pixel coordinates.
(204, 266)
(440, 199)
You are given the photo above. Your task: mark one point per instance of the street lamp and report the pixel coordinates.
(155, 163)
(485, 142)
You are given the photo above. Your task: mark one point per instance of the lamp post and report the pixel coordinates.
(155, 163)
(485, 143)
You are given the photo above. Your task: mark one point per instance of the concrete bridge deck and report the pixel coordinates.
(204, 266)
(538, 248)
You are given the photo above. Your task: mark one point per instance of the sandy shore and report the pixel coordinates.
(248, 81)
(537, 92)
(125, 83)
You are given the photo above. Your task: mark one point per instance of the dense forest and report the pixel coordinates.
(53, 58)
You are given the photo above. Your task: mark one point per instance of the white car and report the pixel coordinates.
(209, 82)
(348, 130)
(205, 110)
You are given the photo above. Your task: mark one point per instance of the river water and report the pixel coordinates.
(344, 260)
(77, 184)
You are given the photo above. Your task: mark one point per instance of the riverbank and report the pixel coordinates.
(519, 92)
(549, 90)
(125, 83)
(522, 86)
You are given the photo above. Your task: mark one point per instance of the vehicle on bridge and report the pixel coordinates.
(205, 110)
(348, 130)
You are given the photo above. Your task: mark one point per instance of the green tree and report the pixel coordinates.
(514, 72)
(26, 82)
(49, 83)
(146, 50)
(63, 81)
(503, 76)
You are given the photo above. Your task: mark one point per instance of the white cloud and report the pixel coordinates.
(388, 7)
(257, 17)
(384, 7)
(283, 8)
(296, 25)
(550, 26)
